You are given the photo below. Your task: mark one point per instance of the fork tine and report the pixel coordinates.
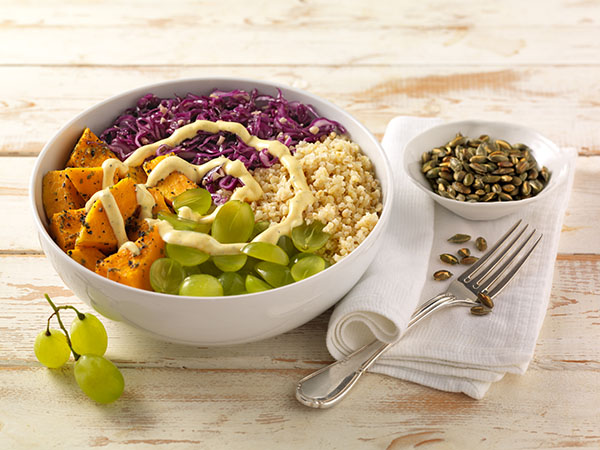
(465, 277)
(516, 267)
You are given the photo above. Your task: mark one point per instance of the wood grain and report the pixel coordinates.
(535, 63)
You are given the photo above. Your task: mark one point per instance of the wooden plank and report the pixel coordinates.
(579, 234)
(352, 34)
(30, 112)
(256, 409)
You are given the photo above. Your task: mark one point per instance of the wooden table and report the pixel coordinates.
(536, 63)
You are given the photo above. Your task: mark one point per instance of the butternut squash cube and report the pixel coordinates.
(90, 151)
(65, 227)
(59, 193)
(97, 231)
(86, 256)
(87, 180)
(134, 270)
(173, 184)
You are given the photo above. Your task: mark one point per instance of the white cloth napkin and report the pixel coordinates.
(451, 350)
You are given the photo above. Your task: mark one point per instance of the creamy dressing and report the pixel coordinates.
(109, 168)
(250, 191)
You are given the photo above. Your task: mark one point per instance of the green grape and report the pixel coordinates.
(88, 336)
(259, 227)
(255, 284)
(209, 268)
(191, 270)
(234, 222)
(285, 242)
(186, 256)
(166, 275)
(307, 267)
(198, 200)
(298, 256)
(229, 263)
(99, 378)
(201, 285)
(179, 223)
(52, 350)
(233, 283)
(308, 238)
(274, 274)
(266, 252)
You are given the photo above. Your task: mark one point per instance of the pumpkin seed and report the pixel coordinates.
(442, 275)
(449, 259)
(479, 310)
(463, 252)
(468, 260)
(481, 244)
(485, 300)
(459, 238)
(483, 170)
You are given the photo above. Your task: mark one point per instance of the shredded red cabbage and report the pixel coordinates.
(267, 117)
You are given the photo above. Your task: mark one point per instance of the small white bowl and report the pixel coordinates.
(545, 152)
(209, 320)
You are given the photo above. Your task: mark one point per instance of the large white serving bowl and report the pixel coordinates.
(544, 150)
(202, 320)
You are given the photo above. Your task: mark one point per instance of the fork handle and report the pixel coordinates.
(328, 385)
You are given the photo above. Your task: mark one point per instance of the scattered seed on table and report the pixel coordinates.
(442, 275)
(464, 252)
(479, 310)
(459, 238)
(468, 260)
(481, 244)
(485, 300)
(448, 258)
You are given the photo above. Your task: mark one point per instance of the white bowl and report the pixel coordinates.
(545, 152)
(202, 320)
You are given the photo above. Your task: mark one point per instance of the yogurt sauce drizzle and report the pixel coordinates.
(250, 191)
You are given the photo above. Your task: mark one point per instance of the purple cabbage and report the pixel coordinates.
(267, 117)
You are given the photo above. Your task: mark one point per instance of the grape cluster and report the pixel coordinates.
(260, 266)
(97, 377)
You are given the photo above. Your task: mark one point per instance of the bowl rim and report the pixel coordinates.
(388, 196)
(550, 186)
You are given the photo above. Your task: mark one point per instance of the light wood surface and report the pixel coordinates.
(536, 63)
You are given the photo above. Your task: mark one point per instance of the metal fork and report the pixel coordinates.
(489, 275)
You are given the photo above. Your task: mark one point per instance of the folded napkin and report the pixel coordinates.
(451, 350)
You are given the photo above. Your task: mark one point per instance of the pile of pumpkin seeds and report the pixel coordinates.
(483, 170)
(463, 256)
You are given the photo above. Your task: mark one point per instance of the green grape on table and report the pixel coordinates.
(306, 267)
(198, 200)
(234, 222)
(266, 252)
(99, 378)
(201, 285)
(166, 275)
(88, 335)
(186, 256)
(51, 348)
(309, 238)
(233, 283)
(229, 263)
(255, 284)
(274, 274)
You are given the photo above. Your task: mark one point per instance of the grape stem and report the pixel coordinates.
(62, 326)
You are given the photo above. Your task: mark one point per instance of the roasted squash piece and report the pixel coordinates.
(134, 270)
(90, 151)
(87, 180)
(59, 193)
(86, 256)
(138, 175)
(136, 225)
(97, 231)
(174, 184)
(160, 205)
(65, 226)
